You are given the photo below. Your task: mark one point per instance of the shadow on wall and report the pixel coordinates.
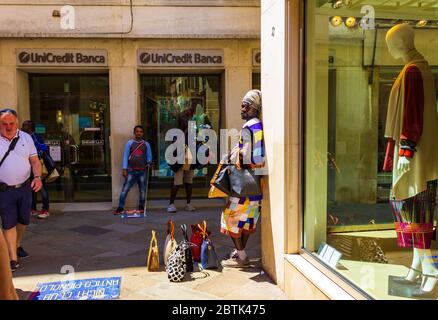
(267, 232)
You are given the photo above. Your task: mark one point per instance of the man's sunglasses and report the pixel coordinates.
(11, 111)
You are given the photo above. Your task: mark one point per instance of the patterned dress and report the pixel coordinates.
(241, 214)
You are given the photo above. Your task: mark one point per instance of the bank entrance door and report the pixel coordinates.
(71, 114)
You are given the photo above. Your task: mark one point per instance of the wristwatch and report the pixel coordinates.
(37, 177)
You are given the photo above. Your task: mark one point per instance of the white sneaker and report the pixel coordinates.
(171, 208)
(189, 207)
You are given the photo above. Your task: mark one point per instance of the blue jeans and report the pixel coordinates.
(134, 176)
(44, 196)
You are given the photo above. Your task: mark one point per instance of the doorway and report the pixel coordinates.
(71, 115)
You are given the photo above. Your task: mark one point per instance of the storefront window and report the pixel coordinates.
(71, 115)
(371, 143)
(165, 100)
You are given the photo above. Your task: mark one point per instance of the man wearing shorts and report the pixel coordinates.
(17, 187)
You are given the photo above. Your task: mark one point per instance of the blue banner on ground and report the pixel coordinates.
(85, 289)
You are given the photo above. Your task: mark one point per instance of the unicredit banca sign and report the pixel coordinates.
(62, 58)
(180, 58)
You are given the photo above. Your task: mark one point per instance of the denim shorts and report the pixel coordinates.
(15, 206)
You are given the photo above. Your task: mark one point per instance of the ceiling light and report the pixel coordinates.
(336, 21)
(347, 3)
(337, 4)
(422, 23)
(351, 22)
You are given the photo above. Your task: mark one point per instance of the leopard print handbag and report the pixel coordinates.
(176, 265)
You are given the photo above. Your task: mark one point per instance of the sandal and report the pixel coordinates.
(410, 282)
(420, 293)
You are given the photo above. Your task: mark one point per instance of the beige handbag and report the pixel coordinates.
(170, 243)
(153, 263)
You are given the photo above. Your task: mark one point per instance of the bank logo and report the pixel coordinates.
(24, 57)
(145, 57)
(258, 57)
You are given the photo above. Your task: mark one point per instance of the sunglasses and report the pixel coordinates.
(11, 111)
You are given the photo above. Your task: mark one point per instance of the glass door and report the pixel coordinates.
(71, 114)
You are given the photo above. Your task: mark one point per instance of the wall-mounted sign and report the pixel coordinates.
(62, 58)
(180, 58)
(256, 57)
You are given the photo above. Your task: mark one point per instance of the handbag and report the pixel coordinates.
(176, 266)
(44, 171)
(244, 182)
(188, 252)
(196, 239)
(208, 253)
(153, 263)
(170, 243)
(222, 181)
(52, 176)
(49, 164)
(214, 191)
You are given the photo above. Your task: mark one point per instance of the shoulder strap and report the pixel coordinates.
(138, 147)
(11, 147)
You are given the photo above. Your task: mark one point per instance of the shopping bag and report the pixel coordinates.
(44, 171)
(208, 253)
(52, 176)
(197, 239)
(188, 251)
(170, 243)
(153, 263)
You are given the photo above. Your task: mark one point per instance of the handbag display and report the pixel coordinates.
(188, 251)
(170, 243)
(196, 239)
(208, 253)
(153, 263)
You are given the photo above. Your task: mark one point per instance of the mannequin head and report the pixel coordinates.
(400, 40)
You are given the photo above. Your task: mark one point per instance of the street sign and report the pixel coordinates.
(84, 289)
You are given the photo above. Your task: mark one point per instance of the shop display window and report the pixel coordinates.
(371, 143)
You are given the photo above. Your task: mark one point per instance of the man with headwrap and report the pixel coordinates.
(239, 219)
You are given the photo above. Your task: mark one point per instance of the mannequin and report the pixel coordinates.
(412, 129)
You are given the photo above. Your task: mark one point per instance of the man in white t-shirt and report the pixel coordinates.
(15, 183)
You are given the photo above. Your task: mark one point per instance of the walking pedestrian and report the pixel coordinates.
(240, 216)
(29, 127)
(136, 159)
(19, 158)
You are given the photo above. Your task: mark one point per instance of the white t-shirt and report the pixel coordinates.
(16, 168)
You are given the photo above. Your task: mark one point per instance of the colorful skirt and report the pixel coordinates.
(414, 218)
(240, 216)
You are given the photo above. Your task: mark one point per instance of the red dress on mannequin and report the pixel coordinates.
(413, 216)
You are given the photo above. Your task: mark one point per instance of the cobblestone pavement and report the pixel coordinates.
(98, 244)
